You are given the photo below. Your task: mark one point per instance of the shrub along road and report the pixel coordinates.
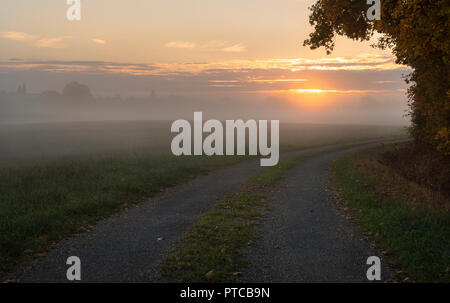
(130, 246)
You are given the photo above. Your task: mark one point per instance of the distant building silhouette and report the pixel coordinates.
(22, 89)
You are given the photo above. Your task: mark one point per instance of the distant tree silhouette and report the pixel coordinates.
(75, 90)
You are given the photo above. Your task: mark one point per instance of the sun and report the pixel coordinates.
(308, 98)
(309, 91)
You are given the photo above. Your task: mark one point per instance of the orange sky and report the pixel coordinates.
(164, 31)
(187, 47)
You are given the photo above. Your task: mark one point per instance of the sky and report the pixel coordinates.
(244, 49)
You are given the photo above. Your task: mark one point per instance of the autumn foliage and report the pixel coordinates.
(417, 32)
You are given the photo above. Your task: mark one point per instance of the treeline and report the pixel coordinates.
(417, 33)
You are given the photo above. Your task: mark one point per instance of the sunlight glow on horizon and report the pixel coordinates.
(337, 91)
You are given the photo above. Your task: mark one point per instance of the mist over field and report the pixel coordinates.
(257, 141)
(75, 122)
(71, 140)
(65, 92)
(48, 105)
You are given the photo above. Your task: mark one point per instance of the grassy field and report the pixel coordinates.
(409, 223)
(41, 204)
(58, 178)
(70, 140)
(212, 250)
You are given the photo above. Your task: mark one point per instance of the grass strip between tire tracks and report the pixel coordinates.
(212, 250)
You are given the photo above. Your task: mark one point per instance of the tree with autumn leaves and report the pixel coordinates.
(417, 32)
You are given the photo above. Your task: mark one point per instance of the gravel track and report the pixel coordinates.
(304, 238)
(129, 246)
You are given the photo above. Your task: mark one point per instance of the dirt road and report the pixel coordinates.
(302, 241)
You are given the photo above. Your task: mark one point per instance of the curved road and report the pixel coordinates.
(302, 240)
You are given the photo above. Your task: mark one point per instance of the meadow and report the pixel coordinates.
(59, 178)
(407, 220)
(35, 142)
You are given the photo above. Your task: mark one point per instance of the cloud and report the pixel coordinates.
(213, 45)
(19, 36)
(384, 82)
(181, 44)
(47, 42)
(256, 71)
(52, 42)
(99, 41)
(237, 48)
(276, 80)
(91, 67)
(297, 76)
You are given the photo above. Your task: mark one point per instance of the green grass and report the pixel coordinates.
(417, 239)
(212, 252)
(42, 203)
(212, 249)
